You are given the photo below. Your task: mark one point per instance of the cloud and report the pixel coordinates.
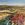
(13, 4)
(16, 4)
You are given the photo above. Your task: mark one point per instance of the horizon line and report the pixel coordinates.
(14, 4)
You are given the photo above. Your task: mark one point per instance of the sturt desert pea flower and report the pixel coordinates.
(15, 18)
(21, 18)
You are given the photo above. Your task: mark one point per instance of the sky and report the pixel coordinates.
(12, 2)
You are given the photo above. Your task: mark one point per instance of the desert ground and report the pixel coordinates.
(9, 10)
